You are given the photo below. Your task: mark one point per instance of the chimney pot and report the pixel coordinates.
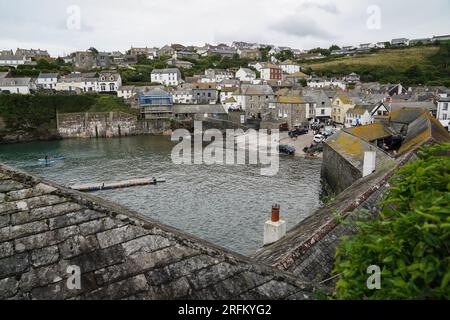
(275, 213)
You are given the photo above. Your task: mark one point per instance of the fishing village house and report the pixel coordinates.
(216, 75)
(443, 111)
(251, 54)
(296, 78)
(271, 71)
(149, 53)
(319, 83)
(321, 111)
(15, 61)
(109, 82)
(231, 104)
(246, 75)
(167, 77)
(205, 93)
(352, 78)
(400, 42)
(359, 116)
(289, 67)
(255, 99)
(183, 94)
(47, 81)
(291, 109)
(185, 55)
(180, 63)
(17, 85)
(341, 104)
(6, 53)
(32, 53)
(78, 82)
(126, 92)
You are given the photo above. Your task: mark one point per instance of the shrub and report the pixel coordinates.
(410, 241)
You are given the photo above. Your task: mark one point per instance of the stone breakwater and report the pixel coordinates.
(45, 230)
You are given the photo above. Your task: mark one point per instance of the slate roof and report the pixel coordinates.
(14, 82)
(44, 228)
(48, 75)
(168, 70)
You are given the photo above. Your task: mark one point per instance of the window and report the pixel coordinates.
(103, 87)
(111, 87)
(445, 107)
(444, 117)
(323, 111)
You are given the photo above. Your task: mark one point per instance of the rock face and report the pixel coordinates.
(60, 244)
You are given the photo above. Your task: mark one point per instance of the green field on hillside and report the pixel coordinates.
(411, 66)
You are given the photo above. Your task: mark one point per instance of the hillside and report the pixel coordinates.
(411, 66)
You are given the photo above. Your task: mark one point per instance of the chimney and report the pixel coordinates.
(370, 159)
(275, 228)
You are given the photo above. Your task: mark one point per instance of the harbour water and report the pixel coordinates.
(226, 205)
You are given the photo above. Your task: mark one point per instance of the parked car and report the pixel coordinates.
(283, 148)
(318, 138)
(284, 127)
(298, 132)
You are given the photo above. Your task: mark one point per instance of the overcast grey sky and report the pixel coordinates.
(302, 24)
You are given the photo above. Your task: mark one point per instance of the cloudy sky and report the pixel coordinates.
(63, 26)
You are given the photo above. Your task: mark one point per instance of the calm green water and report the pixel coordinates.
(227, 205)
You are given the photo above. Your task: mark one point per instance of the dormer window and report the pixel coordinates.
(111, 78)
(103, 78)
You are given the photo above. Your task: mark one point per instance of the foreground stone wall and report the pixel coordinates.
(45, 229)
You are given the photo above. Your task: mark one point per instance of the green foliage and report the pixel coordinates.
(142, 71)
(30, 112)
(334, 47)
(284, 55)
(43, 65)
(410, 241)
(214, 62)
(324, 52)
(265, 53)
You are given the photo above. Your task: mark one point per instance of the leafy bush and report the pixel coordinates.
(410, 241)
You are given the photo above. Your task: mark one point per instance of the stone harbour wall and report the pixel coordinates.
(47, 231)
(96, 124)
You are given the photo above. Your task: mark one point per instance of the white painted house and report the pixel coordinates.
(47, 81)
(126, 92)
(443, 111)
(167, 77)
(246, 75)
(319, 83)
(359, 116)
(289, 67)
(17, 85)
(15, 61)
(184, 95)
(109, 82)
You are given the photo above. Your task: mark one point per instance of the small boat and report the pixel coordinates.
(51, 160)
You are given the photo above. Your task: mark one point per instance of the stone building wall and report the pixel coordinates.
(337, 173)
